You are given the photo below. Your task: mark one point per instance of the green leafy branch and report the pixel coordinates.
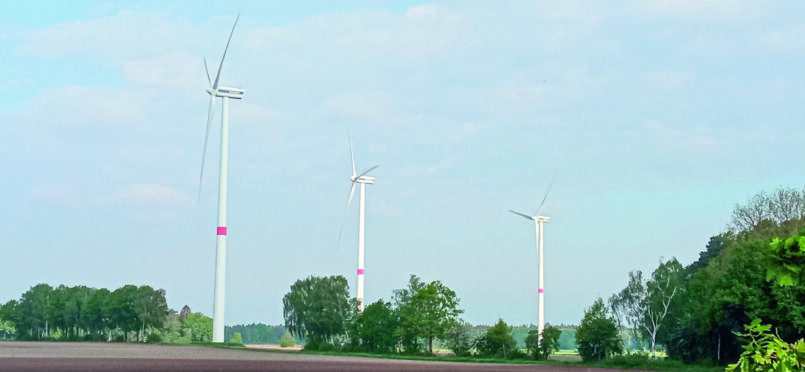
(767, 352)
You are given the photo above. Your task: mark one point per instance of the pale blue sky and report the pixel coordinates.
(658, 116)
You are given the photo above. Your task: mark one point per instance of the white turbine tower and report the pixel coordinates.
(538, 225)
(363, 180)
(220, 252)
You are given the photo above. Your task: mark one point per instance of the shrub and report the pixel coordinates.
(597, 336)
(153, 338)
(286, 340)
(236, 339)
(630, 360)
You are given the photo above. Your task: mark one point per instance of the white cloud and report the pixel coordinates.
(150, 195)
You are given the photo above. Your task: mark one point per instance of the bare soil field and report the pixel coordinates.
(66, 356)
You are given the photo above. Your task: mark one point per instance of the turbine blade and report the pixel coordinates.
(367, 171)
(352, 158)
(207, 71)
(344, 216)
(522, 214)
(351, 193)
(218, 75)
(206, 138)
(550, 185)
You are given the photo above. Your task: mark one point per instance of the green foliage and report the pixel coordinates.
(541, 350)
(497, 342)
(458, 339)
(319, 308)
(785, 259)
(597, 336)
(403, 301)
(287, 340)
(8, 319)
(631, 360)
(373, 330)
(256, 333)
(427, 311)
(236, 339)
(767, 352)
(154, 338)
(198, 327)
(532, 344)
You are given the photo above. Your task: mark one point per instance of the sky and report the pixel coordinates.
(655, 118)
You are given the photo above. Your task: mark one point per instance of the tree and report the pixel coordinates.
(429, 312)
(95, 314)
(8, 318)
(373, 330)
(597, 336)
(497, 342)
(645, 305)
(785, 206)
(550, 342)
(319, 308)
(666, 282)
(120, 308)
(151, 308)
(403, 300)
(185, 310)
(199, 326)
(457, 338)
(628, 305)
(33, 312)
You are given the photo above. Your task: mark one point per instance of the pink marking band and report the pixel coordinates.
(221, 230)
(360, 271)
(541, 290)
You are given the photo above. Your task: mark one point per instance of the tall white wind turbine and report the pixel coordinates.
(363, 180)
(225, 93)
(538, 225)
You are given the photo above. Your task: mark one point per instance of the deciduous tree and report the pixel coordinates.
(319, 308)
(597, 336)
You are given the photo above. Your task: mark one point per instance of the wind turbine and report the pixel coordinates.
(539, 220)
(363, 180)
(225, 93)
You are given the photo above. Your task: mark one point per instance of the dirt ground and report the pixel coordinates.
(66, 356)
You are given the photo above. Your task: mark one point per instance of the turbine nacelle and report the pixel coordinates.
(363, 179)
(236, 93)
(542, 219)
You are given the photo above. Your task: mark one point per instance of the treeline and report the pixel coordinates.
(753, 271)
(320, 310)
(80, 313)
(258, 333)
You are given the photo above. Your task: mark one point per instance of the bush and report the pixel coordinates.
(597, 336)
(236, 339)
(286, 340)
(153, 338)
(630, 360)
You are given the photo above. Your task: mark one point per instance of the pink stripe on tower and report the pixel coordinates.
(221, 230)
(541, 290)
(360, 271)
